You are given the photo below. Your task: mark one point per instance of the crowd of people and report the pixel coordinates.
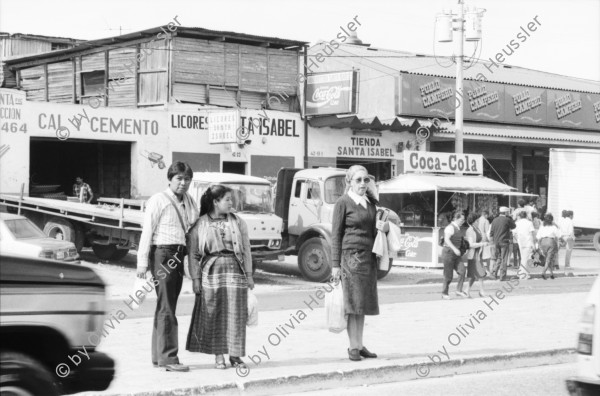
(522, 234)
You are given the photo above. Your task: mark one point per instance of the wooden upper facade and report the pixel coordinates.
(159, 66)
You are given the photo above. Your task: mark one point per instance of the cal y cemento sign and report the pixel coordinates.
(430, 162)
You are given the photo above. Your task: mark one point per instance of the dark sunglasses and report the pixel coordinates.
(367, 180)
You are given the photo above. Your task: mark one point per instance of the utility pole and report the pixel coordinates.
(459, 112)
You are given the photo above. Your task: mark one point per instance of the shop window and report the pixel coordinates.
(92, 82)
(153, 79)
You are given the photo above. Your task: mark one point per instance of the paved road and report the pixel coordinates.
(543, 381)
(388, 293)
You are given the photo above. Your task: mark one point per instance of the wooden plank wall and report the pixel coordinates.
(33, 83)
(121, 77)
(60, 82)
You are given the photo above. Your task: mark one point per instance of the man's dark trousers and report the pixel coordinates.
(452, 263)
(167, 269)
(502, 252)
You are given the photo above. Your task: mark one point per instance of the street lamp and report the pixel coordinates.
(469, 27)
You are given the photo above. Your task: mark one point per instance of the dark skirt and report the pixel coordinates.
(359, 282)
(475, 268)
(220, 313)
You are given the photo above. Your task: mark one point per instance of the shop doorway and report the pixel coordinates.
(234, 167)
(54, 165)
(381, 169)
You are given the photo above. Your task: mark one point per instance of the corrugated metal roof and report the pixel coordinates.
(441, 66)
(523, 134)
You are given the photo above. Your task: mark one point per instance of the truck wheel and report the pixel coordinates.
(119, 254)
(313, 260)
(104, 252)
(22, 375)
(596, 240)
(382, 274)
(64, 230)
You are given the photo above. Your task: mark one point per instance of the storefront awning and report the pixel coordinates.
(415, 182)
(397, 124)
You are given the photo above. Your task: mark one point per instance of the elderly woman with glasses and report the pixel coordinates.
(354, 230)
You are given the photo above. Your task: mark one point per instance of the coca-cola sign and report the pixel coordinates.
(331, 93)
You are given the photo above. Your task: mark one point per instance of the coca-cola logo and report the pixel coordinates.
(327, 94)
(408, 241)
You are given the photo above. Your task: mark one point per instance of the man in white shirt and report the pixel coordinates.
(567, 235)
(169, 215)
(525, 234)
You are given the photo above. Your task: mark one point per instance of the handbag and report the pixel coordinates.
(334, 310)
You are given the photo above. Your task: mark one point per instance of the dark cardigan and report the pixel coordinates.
(353, 227)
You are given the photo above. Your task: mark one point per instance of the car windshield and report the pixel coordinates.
(335, 187)
(24, 229)
(252, 198)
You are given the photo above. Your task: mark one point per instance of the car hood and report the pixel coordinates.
(48, 243)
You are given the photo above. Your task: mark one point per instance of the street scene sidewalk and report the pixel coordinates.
(293, 348)
(295, 343)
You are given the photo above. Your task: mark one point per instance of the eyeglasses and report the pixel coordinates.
(359, 180)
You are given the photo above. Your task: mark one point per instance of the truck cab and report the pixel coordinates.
(305, 200)
(253, 202)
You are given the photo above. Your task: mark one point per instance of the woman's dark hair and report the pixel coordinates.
(521, 203)
(534, 215)
(522, 214)
(216, 191)
(473, 216)
(178, 167)
(548, 219)
(458, 214)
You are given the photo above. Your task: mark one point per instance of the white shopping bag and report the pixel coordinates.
(139, 298)
(334, 309)
(252, 310)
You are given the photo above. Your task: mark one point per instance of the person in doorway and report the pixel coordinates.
(354, 230)
(82, 190)
(547, 237)
(168, 217)
(525, 234)
(221, 269)
(483, 225)
(567, 235)
(452, 256)
(475, 269)
(500, 233)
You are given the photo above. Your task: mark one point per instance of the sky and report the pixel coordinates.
(567, 40)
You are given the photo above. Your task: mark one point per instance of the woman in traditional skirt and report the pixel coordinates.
(475, 268)
(221, 268)
(354, 229)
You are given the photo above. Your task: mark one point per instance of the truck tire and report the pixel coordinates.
(382, 274)
(22, 375)
(119, 254)
(596, 240)
(109, 252)
(63, 229)
(314, 261)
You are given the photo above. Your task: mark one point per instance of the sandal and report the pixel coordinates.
(220, 362)
(237, 362)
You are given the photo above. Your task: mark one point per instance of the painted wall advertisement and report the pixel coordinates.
(416, 247)
(503, 103)
(331, 93)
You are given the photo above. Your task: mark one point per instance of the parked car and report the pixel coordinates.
(587, 381)
(21, 237)
(52, 320)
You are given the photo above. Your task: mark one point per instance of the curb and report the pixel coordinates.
(533, 276)
(375, 375)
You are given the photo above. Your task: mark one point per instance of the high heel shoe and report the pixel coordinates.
(237, 362)
(220, 362)
(551, 276)
(543, 277)
(482, 294)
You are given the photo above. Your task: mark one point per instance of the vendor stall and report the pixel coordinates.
(420, 232)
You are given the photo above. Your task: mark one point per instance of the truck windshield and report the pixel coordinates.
(252, 198)
(335, 187)
(24, 229)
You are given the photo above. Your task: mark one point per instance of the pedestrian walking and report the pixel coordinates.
(567, 235)
(475, 269)
(353, 235)
(500, 233)
(221, 270)
(168, 217)
(452, 256)
(525, 234)
(547, 237)
(483, 224)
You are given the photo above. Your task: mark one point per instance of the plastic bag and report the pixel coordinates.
(252, 310)
(334, 310)
(139, 298)
(393, 239)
